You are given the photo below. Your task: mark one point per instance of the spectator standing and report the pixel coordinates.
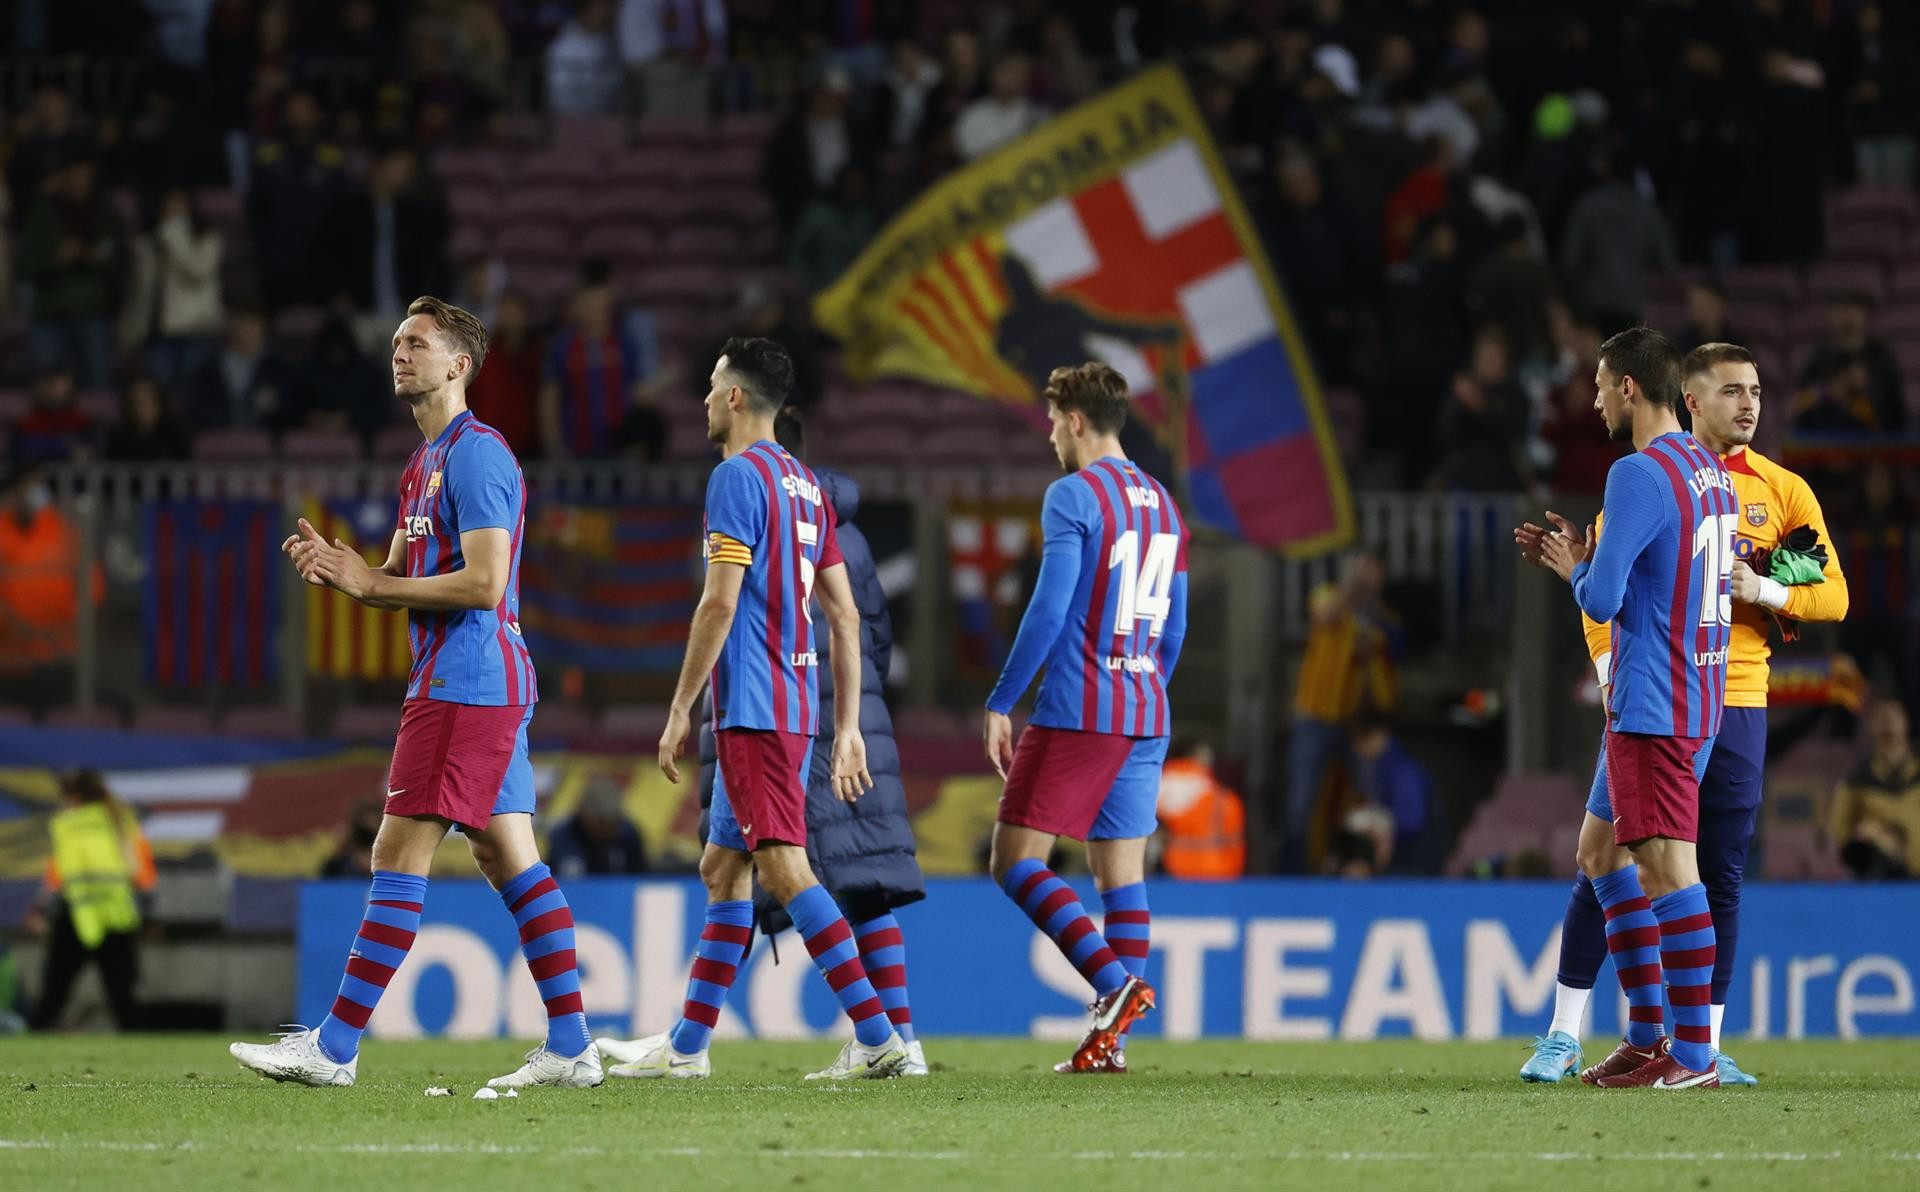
(1875, 818)
(173, 300)
(1003, 114)
(1203, 823)
(391, 241)
(73, 253)
(1348, 663)
(48, 139)
(89, 904)
(1484, 428)
(341, 388)
(1707, 317)
(962, 80)
(1392, 780)
(506, 394)
(297, 187)
(1883, 549)
(668, 47)
(1881, 100)
(147, 432)
(598, 839)
(583, 63)
(1615, 237)
(39, 591)
(593, 376)
(1852, 380)
(54, 429)
(353, 858)
(833, 230)
(910, 81)
(810, 148)
(246, 385)
(1309, 249)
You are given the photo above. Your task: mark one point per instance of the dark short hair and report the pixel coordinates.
(1650, 359)
(468, 333)
(1097, 391)
(762, 369)
(790, 432)
(1706, 356)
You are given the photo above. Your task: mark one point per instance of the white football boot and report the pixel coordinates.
(916, 1064)
(548, 1068)
(653, 1058)
(866, 1063)
(295, 1055)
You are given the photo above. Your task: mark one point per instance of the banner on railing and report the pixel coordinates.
(210, 601)
(1254, 959)
(345, 638)
(609, 587)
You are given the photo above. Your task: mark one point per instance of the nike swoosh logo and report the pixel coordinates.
(401, 791)
(682, 1063)
(1692, 1080)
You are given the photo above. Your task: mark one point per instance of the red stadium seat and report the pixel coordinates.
(681, 283)
(681, 131)
(1905, 285)
(620, 243)
(702, 242)
(537, 242)
(232, 446)
(747, 128)
(98, 404)
(652, 168)
(1908, 353)
(1871, 202)
(1874, 240)
(396, 442)
(14, 403)
(725, 166)
(297, 325)
(1755, 282)
(469, 240)
(538, 204)
(1834, 279)
(483, 169)
(319, 446)
(591, 132)
(1758, 322)
(220, 206)
(474, 205)
(560, 167)
(740, 205)
(544, 284)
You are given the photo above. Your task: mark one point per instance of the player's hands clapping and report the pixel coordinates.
(673, 742)
(850, 776)
(1559, 550)
(323, 564)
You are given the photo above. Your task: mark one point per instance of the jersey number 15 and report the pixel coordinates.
(1713, 539)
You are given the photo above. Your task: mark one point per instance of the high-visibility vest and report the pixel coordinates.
(96, 876)
(1206, 825)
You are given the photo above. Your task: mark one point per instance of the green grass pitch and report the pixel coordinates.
(157, 1112)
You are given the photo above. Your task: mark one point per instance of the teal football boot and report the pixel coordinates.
(1556, 1056)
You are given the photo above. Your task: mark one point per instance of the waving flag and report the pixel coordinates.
(210, 605)
(1113, 232)
(346, 639)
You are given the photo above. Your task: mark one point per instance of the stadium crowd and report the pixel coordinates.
(218, 220)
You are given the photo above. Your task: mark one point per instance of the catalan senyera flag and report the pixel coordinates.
(1113, 232)
(346, 639)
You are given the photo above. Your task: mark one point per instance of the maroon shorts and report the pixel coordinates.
(761, 797)
(451, 760)
(1060, 779)
(1654, 783)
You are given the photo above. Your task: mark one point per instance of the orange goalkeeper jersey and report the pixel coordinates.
(1773, 503)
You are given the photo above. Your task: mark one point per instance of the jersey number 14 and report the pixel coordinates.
(1146, 582)
(1713, 539)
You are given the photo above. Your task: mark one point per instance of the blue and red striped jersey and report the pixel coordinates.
(1109, 612)
(766, 513)
(596, 376)
(1661, 574)
(466, 479)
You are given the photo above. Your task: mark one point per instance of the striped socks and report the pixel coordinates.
(717, 958)
(830, 941)
(1687, 946)
(392, 920)
(883, 950)
(546, 940)
(1050, 903)
(1633, 937)
(1128, 928)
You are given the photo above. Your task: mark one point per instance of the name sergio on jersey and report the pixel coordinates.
(801, 488)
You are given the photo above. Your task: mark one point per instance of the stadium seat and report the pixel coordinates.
(1908, 353)
(13, 404)
(232, 446)
(1758, 321)
(620, 243)
(741, 207)
(747, 128)
(545, 284)
(673, 131)
(219, 205)
(562, 167)
(1899, 322)
(320, 446)
(1807, 323)
(1869, 202)
(725, 166)
(102, 406)
(296, 326)
(681, 283)
(1833, 279)
(469, 240)
(590, 132)
(1867, 240)
(658, 168)
(396, 442)
(1754, 282)
(530, 206)
(1905, 285)
(702, 242)
(473, 205)
(482, 169)
(536, 242)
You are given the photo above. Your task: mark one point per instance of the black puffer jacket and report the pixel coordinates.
(863, 851)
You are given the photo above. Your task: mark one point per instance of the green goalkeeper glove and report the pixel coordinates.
(1800, 559)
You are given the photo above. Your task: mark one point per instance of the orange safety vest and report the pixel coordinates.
(39, 610)
(1206, 824)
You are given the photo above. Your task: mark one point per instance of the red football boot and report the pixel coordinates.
(1113, 1016)
(1664, 1072)
(1115, 1065)
(1625, 1059)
